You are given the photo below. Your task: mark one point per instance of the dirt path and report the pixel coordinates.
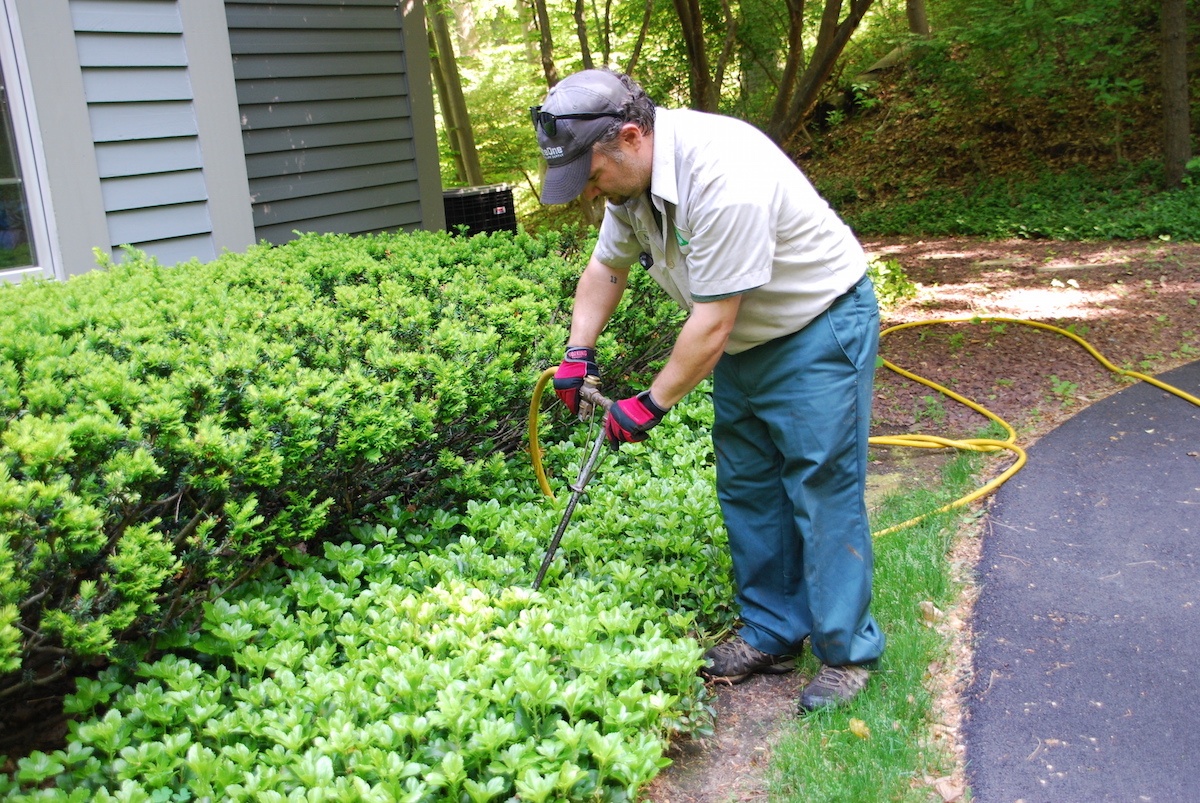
(1136, 303)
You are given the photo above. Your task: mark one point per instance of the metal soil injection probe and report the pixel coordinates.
(591, 396)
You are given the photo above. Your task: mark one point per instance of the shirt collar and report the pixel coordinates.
(662, 177)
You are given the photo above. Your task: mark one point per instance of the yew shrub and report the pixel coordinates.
(167, 431)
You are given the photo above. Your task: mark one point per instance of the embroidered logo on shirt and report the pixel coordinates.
(679, 239)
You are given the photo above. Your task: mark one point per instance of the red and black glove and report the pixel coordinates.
(578, 364)
(629, 419)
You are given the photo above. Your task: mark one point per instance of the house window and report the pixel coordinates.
(16, 246)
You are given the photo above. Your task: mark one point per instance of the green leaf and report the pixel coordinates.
(38, 767)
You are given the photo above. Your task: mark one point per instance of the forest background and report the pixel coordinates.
(911, 116)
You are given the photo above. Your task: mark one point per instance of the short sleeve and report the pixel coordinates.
(617, 245)
(731, 235)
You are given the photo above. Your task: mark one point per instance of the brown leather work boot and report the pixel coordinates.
(833, 685)
(735, 660)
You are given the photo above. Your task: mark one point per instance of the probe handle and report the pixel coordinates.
(593, 395)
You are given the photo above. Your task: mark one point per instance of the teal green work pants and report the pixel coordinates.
(790, 432)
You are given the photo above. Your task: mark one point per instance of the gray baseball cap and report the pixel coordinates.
(576, 113)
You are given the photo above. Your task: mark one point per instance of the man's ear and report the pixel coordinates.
(631, 134)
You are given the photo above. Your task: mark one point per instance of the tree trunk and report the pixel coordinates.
(530, 39)
(791, 66)
(458, 121)
(831, 41)
(726, 52)
(585, 52)
(918, 20)
(1177, 143)
(691, 23)
(704, 86)
(631, 67)
(448, 122)
(606, 32)
(546, 42)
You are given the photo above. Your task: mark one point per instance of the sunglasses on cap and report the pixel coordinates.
(549, 122)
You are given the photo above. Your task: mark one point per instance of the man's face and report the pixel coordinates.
(617, 174)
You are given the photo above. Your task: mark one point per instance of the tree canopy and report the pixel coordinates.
(792, 67)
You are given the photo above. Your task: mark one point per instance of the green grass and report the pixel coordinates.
(823, 759)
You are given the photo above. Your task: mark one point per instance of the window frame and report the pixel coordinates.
(29, 153)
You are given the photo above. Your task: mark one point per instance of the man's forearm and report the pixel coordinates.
(700, 344)
(596, 298)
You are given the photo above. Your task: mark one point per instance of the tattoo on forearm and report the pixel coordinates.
(612, 279)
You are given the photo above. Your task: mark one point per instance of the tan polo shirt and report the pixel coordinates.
(738, 217)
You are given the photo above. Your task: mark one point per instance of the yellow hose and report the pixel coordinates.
(535, 448)
(915, 441)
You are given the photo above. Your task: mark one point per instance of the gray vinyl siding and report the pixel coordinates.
(140, 103)
(139, 123)
(326, 110)
(163, 156)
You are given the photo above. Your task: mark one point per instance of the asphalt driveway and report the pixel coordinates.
(1087, 666)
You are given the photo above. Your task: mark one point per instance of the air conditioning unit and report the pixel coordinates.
(480, 209)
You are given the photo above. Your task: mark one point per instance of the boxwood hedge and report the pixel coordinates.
(166, 431)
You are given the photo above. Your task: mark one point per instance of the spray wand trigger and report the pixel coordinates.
(586, 404)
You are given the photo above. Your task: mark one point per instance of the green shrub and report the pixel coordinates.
(892, 284)
(167, 429)
(649, 524)
(413, 661)
(341, 678)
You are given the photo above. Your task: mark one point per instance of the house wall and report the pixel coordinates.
(189, 127)
(124, 91)
(337, 115)
(61, 137)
